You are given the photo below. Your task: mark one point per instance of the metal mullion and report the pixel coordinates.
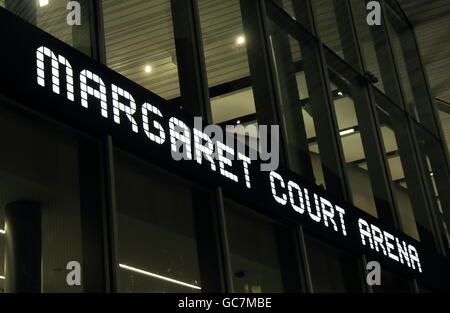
(378, 167)
(190, 58)
(368, 288)
(432, 209)
(415, 286)
(328, 106)
(410, 159)
(333, 129)
(261, 67)
(111, 216)
(195, 97)
(418, 83)
(437, 120)
(227, 269)
(293, 126)
(316, 73)
(97, 32)
(304, 262)
(387, 62)
(369, 126)
(346, 26)
(110, 233)
(435, 214)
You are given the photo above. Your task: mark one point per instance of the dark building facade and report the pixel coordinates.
(91, 115)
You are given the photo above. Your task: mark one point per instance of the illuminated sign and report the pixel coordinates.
(48, 76)
(92, 90)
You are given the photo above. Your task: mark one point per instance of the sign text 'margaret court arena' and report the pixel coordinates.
(233, 166)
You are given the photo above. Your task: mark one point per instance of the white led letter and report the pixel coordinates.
(403, 252)
(291, 186)
(246, 162)
(328, 213)
(119, 106)
(159, 139)
(223, 159)
(341, 213)
(364, 231)
(389, 246)
(378, 239)
(315, 217)
(180, 137)
(206, 149)
(43, 52)
(86, 90)
(414, 256)
(283, 199)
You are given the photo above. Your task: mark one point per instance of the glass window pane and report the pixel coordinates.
(41, 164)
(402, 69)
(370, 48)
(395, 165)
(330, 26)
(411, 199)
(411, 75)
(261, 251)
(332, 270)
(295, 80)
(437, 177)
(444, 115)
(355, 157)
(140, 44)
(51, 16)
(227, 67)
(156, 232)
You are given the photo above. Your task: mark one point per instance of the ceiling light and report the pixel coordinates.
(148, 68)
(240, 40)
(133, 269)
(2, 277)
(2, 231)
(43, 3)
(432, 174)
(347, 132)
(340, 93)
(238, 122)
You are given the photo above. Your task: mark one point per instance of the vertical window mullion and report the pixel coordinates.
(304, 260)
(316, 72)
(111, 216)
(195, 98)
(369, 126)
(98, 48)
(227, 270)
(388, 66)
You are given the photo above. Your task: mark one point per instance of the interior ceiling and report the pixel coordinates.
(424, 11)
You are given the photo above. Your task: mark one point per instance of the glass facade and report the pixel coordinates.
(156, 229)
(356, 119)
(42, 163)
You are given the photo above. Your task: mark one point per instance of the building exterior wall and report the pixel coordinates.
(356, 119)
